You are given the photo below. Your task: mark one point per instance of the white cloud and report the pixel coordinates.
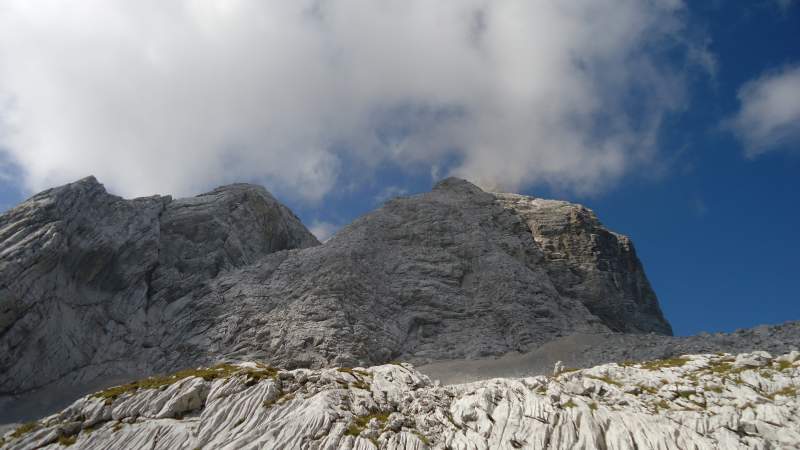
(769, 116)
(784, 5)
(174, 97)
(323, 230)
(390, 192)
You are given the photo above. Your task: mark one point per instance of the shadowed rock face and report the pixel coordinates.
(94, 287)
(87, 278)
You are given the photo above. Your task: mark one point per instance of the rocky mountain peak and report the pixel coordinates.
(109, 288)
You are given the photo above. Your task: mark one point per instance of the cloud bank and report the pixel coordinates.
(174, 97)
(769, 116)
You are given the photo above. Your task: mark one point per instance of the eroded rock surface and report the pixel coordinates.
(89, 280)
(711, 401)
(590, 263)
(95, 288)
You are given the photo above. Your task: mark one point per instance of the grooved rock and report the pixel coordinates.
(95, 288)
(87, 279)
(702, 402)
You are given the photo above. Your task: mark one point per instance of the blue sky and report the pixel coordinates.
(681, 130)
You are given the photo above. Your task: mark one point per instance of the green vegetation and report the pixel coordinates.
(422, 438)
(661, 404)
(24, 429)
(783, 365)
(569, 404)
(360, 423)
(648, 389)
(789, 391)
(659, 364)
(605, 379)
(66, 441)
(724, 368)
(278, 400)
(208, 374)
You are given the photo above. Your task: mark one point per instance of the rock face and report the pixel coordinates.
(87, 279)
(592, 264)
(711, 401)
(94, 288)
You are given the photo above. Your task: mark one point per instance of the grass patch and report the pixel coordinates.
(569, 404)
(24, 429)
(659, 364)
(648, 389)
(605, 379)
(278, 400)
(567, 370)
(423, 438)
(661, 404)
(788, 391)
(361, 385)
(359, 423)
(66, 441)
(725, 368)
(783, 365)
(208, 374)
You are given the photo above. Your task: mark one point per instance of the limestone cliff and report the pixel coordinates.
(95, 288)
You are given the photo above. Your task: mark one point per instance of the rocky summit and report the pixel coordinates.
(97, 290)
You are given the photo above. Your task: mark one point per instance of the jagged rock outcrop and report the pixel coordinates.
(711, 401)
(87, 279)
(590, 263)
(95, 288)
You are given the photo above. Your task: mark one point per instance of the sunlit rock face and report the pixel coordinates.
(95, 288)
(711, 401)
(590, 263)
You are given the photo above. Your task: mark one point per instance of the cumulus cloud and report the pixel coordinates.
(769, 116)
(173, 97)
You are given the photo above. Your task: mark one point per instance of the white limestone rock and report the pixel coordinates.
(692, 402)
(94, 287)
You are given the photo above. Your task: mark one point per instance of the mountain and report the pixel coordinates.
(710, 401)
(96, 289)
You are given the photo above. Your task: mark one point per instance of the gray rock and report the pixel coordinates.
(95, 289)
(689, 404)
(587, 350)
(592, 264)
(87, 278)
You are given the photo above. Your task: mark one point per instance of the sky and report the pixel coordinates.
(677, 122)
